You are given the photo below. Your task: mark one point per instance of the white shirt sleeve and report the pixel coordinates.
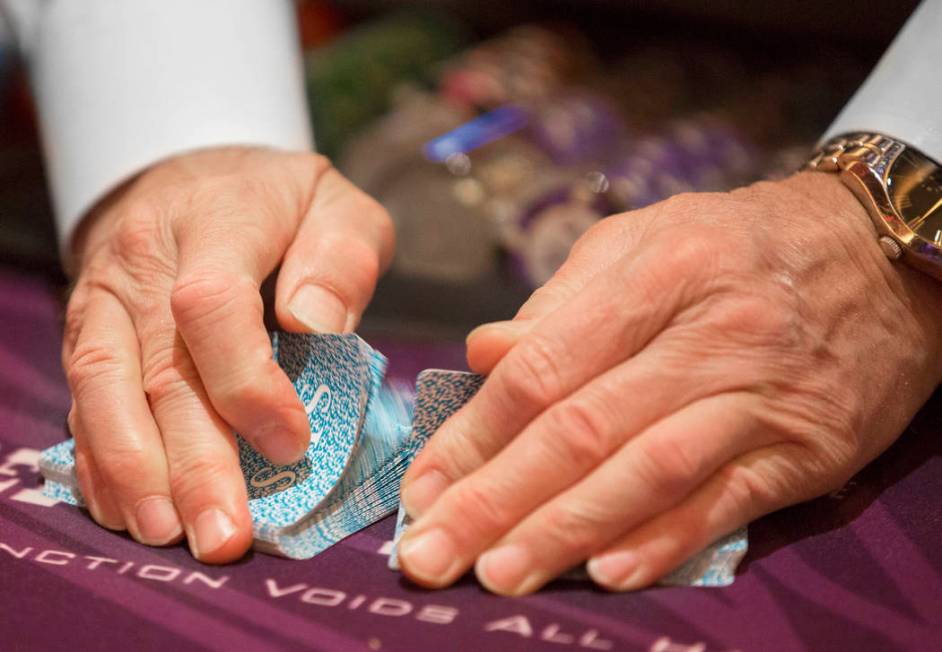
(121, 85)
(902, 97)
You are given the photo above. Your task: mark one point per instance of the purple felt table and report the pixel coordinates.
(858, 570)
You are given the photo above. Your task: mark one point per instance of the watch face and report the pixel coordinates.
(915, 188)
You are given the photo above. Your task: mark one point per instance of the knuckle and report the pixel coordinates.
(204, 294)
(689, 253)
(542, 295)
(485, 514)
(138, 249)
(364, 204)
(223, 193)
(828, 459)
(575, 527)
(364, 257)
(609, 231)
(197, 477)
(360, 260)
(824, 419)
(165, 379)
(120, 464)
(680, 266)
(92, 362)
(751, 324)
(531, 373)
(137, 236)
(313, 163)
(243, 392)
(604, 229)
(581, 435)
(134, 236)
(546, 296)
(456, 452)
(666, 466)
(749, 491)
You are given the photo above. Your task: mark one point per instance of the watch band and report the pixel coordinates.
(876, 150)
(867, 162)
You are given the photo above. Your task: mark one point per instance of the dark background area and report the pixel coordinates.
(763, 35)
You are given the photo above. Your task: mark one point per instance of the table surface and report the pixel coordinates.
(860, 569)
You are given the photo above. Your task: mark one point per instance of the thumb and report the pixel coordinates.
(330, 270)
(610, 239)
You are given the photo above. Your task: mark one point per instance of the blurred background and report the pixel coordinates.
(496, 133)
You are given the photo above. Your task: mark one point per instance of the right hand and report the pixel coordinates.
(165, 348)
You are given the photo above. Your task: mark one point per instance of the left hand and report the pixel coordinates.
(693, 366)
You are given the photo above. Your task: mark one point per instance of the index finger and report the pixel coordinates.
(219, 312)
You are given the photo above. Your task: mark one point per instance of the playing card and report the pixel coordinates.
(438, 395)
(367, 491)
(361, 444)
(334, 376)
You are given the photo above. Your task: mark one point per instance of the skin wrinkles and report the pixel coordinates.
(166, 298)
(774, 300)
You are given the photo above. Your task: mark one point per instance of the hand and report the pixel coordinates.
(165, 348)
(693, 366)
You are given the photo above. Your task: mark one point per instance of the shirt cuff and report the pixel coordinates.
(121, 85)
(902, 98)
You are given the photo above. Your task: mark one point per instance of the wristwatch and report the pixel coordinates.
(901, 189)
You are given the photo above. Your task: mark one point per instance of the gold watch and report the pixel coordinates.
(901, 189)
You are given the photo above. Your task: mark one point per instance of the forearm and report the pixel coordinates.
(122, 85)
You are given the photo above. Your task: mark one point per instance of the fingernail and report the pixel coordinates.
(513, 328)
(210, 531)
(278, 445)
(319, 309)
(616, 570)
(420, 494)
(431, 556)
(507, 570)
(157, 521)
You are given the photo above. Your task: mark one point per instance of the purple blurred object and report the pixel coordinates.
(716, 146)
(578, 127)
(549, 226)
(693, 155)
(653, 169)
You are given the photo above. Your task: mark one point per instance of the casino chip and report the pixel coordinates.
(551, 235)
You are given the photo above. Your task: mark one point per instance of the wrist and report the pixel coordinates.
(850, 225)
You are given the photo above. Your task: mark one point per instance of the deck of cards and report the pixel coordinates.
(358, 452)
(364, 435)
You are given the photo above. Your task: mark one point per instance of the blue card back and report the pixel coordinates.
(334, 376)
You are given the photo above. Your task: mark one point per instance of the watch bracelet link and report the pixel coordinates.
(876, 150)
(864, 161)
